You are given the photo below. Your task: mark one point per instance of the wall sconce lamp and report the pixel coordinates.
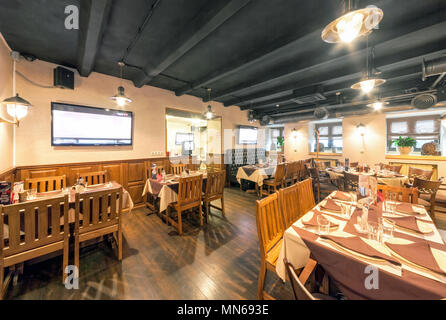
(361, 129)
(294, 135)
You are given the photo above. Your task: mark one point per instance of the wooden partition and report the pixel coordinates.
(131, 174)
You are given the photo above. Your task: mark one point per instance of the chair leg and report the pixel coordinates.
(200, 212)
(119, 242)
(167, 215)
(76, 252)
(206, 206)
(65, 260)
(261, 283)
(180, 226)
(222, 206)
(2, 276)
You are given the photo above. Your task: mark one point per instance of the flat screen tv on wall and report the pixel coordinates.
(73, 125)
(247, 135)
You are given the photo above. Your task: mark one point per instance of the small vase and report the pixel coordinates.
(405, 150)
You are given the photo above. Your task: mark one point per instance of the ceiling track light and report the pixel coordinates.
(352, 24)
(369, 82)
(120, 98)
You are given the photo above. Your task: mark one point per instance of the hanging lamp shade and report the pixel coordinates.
(352, 24)
(16, 107)
(120, 98)
(209, 114)
(367, 84)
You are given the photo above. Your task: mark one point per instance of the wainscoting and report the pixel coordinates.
(131, 174)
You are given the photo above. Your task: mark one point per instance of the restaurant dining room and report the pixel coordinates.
(223, 150)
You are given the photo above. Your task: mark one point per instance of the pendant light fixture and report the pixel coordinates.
(209, 114)
(16, 106)
(368, 82)
(251, 117)
(353, 24)
(121, 99)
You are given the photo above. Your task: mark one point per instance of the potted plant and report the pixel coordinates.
(405, 145)
(280, 142)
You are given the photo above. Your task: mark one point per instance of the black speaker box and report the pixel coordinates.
(441, 94)
(63, 78)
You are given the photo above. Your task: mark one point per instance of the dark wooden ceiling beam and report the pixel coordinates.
(197, 30)
(427, 26)
(352, 72)
(93, 18)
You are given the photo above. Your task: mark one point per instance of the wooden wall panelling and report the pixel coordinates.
(136, 180)
(72, 172)
(114, 171)
(406, 165)
(8, 175)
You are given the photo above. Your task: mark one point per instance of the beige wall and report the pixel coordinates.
(370, 149)
(6, 129)
(33, 146)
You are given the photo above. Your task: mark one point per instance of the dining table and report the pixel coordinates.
(127, 202)
(255, 173)
(383, 177)
(408, 264)
(167, 190)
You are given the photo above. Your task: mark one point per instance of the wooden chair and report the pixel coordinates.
(189, 197)
(320, 186)
(395, 169)
(177, 168)
(215, 188)
(351, 181)
(419, 173)
(97, 213)
(354, 164)
(299, 290)
(46, 183)
(404, 194)
(427, 191)
(96, 177)
(306, 195)
(270, 229)
(289, 204)
(159, 170)
(274, 184)
(46, 230)
(291, 173)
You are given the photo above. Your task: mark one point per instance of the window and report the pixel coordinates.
(330, 136)
(274, 133)
(423, 129)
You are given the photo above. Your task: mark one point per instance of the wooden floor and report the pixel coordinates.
(219, 261)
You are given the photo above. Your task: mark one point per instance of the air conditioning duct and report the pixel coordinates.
(433, 67)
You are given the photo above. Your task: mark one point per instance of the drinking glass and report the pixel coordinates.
(323, 224)
(388, 227)
(391, 198)
(374, 231)
(353, 197)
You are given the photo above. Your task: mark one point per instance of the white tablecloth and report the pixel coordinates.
(257, 176)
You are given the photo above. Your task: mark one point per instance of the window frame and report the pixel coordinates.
(329, 136)
(411, 130)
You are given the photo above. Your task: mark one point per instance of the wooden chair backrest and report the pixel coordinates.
(426, 186)
(322, 165)
(100, 209)
(280, 173)
(45, 184)
(215, 184)
(270, 224)
(190, 190)
(351, 180)
(314, 174)
(40, 221)
(396, 169)
(306, 195)
(159, 170)
(177, 168)
(354, 164)
(213, 167)
(404, 194)
(420, 173)
(303, 172)
(95, 177)
(299, 290)
(289, 204)
(291, 170)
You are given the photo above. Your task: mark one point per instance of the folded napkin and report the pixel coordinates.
(313, 221)
(339, 195)
(406, 208)
(375, 212)
(356, 244)
(409, 223)
(330, 205)
(419, 253)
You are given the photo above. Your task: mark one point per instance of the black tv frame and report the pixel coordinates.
(93, 144)
(246, 127)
